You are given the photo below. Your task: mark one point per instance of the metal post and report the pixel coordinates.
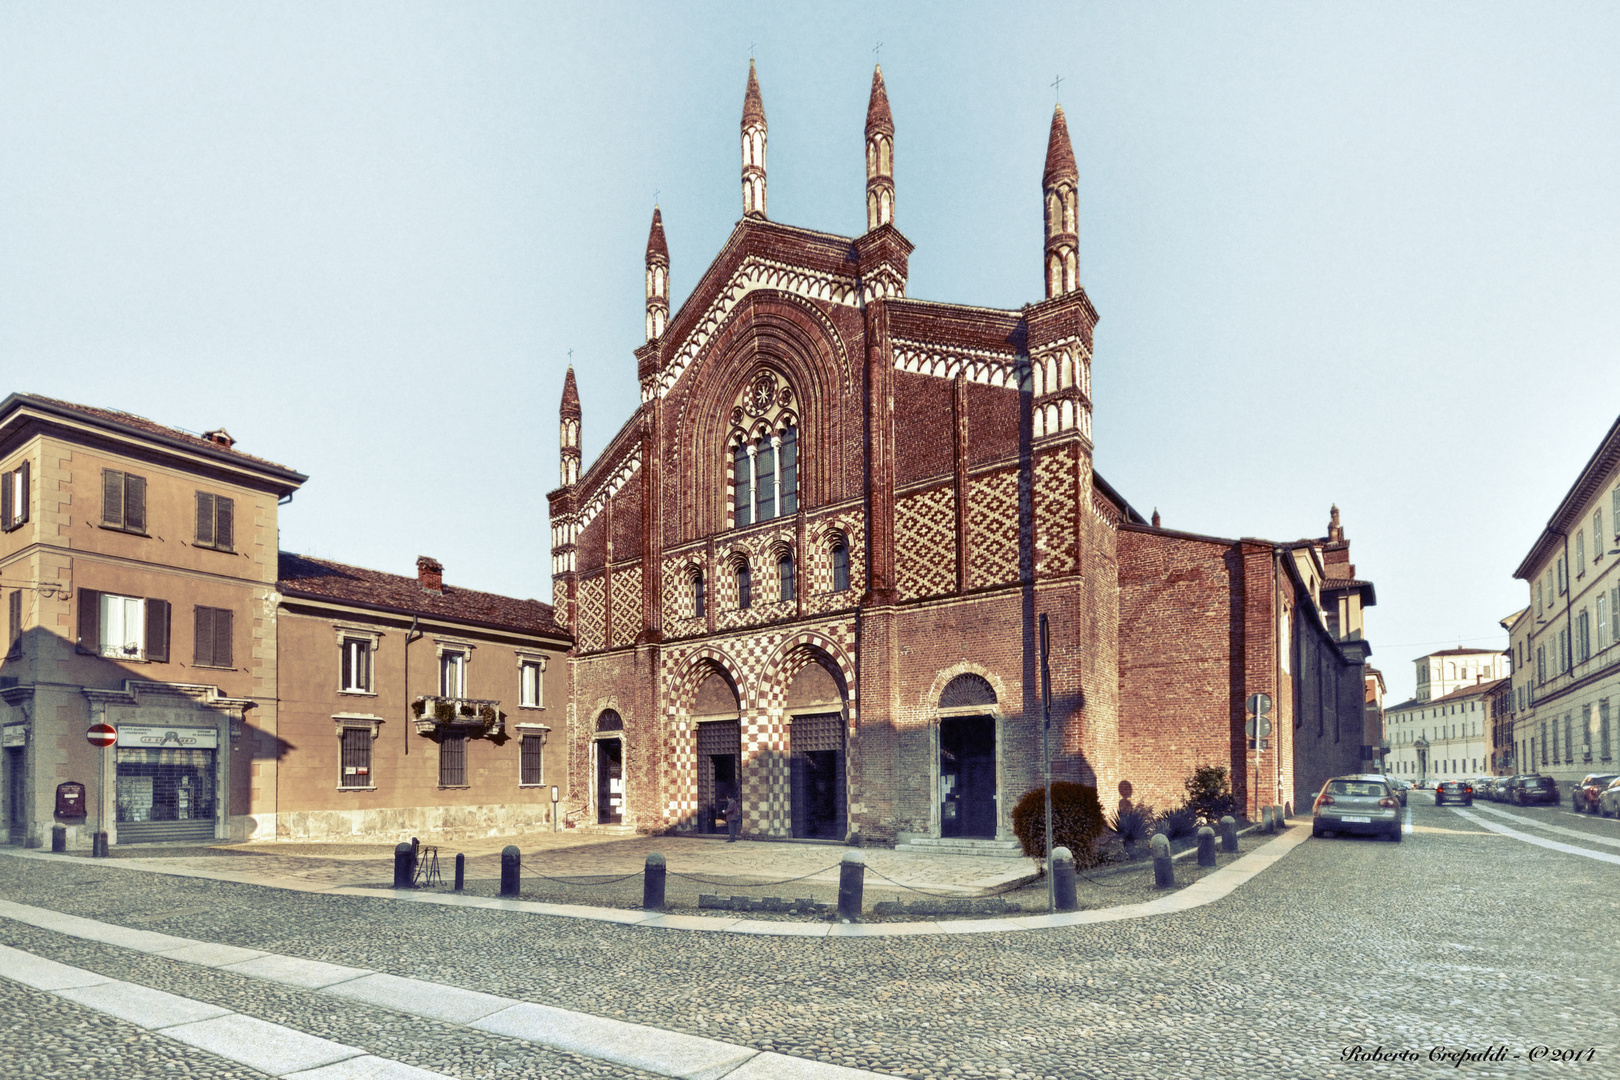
(404, 868)
(461, 871)
(1046, 756)
(851, 878)
(555, 795)
(511, 871)
(652, 882)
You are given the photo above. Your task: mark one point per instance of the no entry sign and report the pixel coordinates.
(101, 735)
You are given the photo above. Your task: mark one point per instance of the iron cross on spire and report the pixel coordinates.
(1057, 87)
(877, 51)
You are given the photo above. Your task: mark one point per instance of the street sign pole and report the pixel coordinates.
(103, 736)
(1046, 756)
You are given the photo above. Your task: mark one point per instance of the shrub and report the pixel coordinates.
(1077, 821)
(1132, 824)
(1182, 821)
(1209, 793)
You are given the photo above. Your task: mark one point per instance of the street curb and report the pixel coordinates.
(1206, 890)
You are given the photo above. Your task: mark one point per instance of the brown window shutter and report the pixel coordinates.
(205, 518)
(157, 630)
(6, 484)
(89, 621)
(224, 520)
(135, 503)
(345, 653)
(112, 497)
(203, 653)
(22, 511)
(222, 638)
(14, 640)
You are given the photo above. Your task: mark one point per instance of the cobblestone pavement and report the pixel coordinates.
(1459, 937)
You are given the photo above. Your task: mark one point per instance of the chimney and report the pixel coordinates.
(430, 574)
(220, 436)
(1155, 517)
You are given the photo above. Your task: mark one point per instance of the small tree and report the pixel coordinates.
(1209, 793)
(1077, 821)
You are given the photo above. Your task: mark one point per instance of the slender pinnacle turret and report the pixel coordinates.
(1059, 187)
(570, 416)
(753, 148)
(879, 156)
(657, 278)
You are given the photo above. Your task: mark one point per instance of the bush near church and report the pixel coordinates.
(1077, 821)
(1209, 793)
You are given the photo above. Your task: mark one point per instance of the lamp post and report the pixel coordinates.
(1046, 755)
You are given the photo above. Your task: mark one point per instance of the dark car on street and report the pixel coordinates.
(1536, 789)
(1585, 796)
(1454, 791)
(1357, 804)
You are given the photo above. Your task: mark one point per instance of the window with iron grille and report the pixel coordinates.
(531, 766)
(453, 759)
(356, 771)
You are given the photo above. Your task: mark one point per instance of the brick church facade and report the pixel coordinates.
(809, 571)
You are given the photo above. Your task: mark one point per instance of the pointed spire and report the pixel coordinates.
(879, 156)
(1059, 152)
(753, 104)
(655, 237)
(753, 148)
(568, 430)
(657, 278)
(1059, 185)
(877, 109)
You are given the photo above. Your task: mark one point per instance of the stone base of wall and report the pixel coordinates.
(395, 823)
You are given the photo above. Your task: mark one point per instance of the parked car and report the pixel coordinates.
(1396, 787)
(1499, 788)
(1609, 801)
(1357, 804)
(1454, 791)
(1534, 788)
(1585, 795)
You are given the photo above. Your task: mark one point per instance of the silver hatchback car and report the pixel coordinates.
(1357, 804)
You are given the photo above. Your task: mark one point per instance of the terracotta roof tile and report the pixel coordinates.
(307, 576)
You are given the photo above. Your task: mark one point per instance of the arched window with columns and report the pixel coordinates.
(764, 451)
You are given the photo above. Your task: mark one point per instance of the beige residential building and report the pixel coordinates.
(1567, 643)
(1447, 736)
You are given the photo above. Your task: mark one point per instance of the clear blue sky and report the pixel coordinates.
(1361, 254)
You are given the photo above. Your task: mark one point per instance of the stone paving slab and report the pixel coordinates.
(43, 974)
(209, 954)
(260, 1044)
(367, 1068)
(667, 1052)
(432, 1000)
(142, 1005)
(293, 971)
(768, 1066)
(111, 934)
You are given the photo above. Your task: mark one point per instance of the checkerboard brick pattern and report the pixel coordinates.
(592, 614)
(925, 543)
(993, 528)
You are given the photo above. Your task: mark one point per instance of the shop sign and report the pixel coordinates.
(168, 738)
(14, 735)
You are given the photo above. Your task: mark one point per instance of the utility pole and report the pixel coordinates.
(1046, 755)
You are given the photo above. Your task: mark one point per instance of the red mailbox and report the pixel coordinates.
(70, 800)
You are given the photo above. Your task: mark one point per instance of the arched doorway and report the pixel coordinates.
(717, 724)
(815, 705)
(967, 758)
(609, 768)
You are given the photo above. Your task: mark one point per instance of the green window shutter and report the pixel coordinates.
(112, 497)
(224, 521)
(157, 630)
(205, 519)
(89, 621)
(222, 638)
(135, 503)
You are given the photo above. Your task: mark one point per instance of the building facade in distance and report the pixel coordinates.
(1567, 642)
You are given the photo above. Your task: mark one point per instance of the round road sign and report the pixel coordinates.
(101, 735)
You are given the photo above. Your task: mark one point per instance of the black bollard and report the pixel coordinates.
(58, 839)
(851, 880)
(1164, 871)
(511, 871)
(652, 882)
(1229, 834)
(1206, 846)
(461, 871)
(1063, 880)
(98, 845)
(404, 866)
(1288, 810)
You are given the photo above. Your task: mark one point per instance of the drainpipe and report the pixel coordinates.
(412, 635)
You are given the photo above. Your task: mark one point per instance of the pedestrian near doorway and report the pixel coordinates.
(733, 818)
